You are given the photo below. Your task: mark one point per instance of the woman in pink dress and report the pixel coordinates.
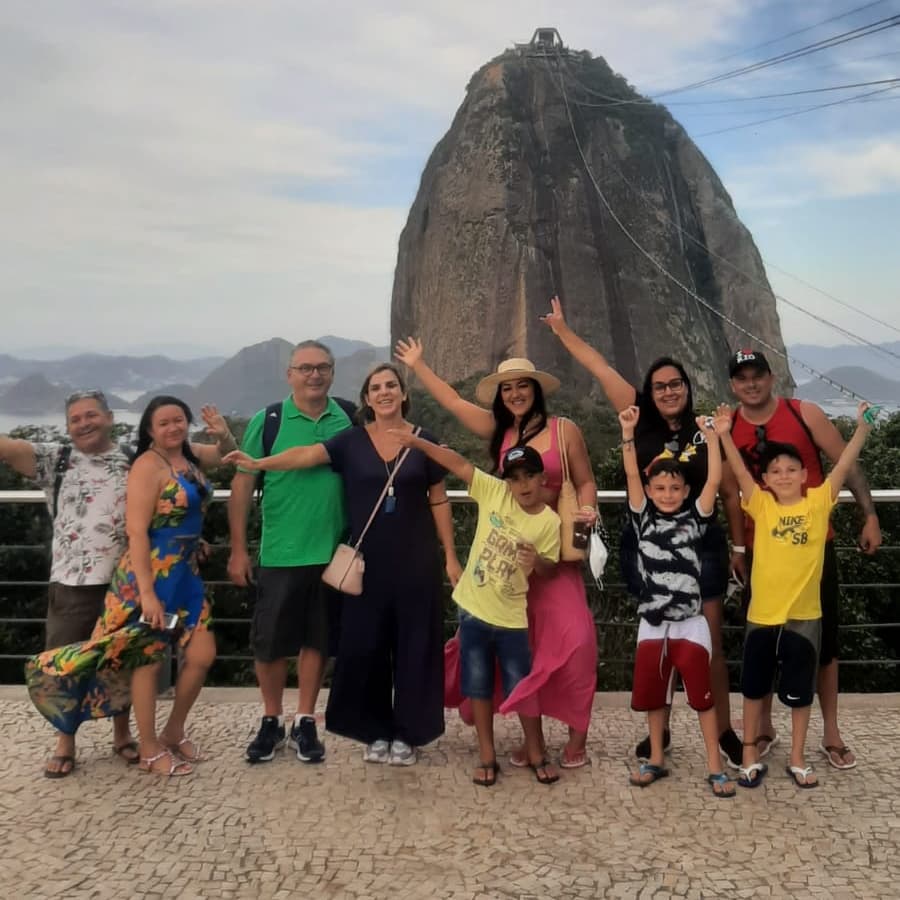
(562, 632)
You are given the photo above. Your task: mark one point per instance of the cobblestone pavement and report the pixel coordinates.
(350, 829)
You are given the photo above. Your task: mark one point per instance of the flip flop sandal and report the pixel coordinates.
(799, 776)
(518, 759)
(655, 773)
(60, 772)
(123, 751)
(195, 757)
(545, 778)
(721, 779)
(488, 780)
(747, 780)
(176, 769)
(573, 762)
(828, 749)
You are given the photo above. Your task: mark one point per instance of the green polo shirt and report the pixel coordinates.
(303, 511)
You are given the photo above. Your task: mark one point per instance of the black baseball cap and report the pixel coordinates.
(743, 358)
(526, 458)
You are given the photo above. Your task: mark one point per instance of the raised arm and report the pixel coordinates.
(212, 455)
(829, 440)
(722, 425)
(847, 460)
(618, 391)
(734, 515)
(294, 458)
(18, 455)
(628, 419)
(478, 420)
(707, 498)
(443, 456)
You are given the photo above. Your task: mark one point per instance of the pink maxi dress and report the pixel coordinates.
(562, 635)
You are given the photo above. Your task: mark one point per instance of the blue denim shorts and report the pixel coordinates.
(482, 647)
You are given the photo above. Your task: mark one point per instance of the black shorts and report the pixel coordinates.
(291, 612)
(789, 652)
(829, 595)
(72, 612)
(712, 552)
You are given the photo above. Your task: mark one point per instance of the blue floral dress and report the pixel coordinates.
(92, 679)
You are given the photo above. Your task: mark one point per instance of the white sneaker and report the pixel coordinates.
(377, 752)
(402, 754)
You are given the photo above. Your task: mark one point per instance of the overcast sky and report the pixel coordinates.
(198, 175)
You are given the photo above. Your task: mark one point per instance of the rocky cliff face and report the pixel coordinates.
(507, 215)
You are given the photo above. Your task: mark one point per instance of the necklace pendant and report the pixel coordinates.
(390, 502)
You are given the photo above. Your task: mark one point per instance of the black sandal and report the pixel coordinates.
(489, 780)
(542, 766)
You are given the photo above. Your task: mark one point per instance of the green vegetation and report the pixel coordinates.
(25, 533)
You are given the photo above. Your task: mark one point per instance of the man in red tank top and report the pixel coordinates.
(762, 416)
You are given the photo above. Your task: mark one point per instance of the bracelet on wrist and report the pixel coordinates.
(627, 441)
(738, 548)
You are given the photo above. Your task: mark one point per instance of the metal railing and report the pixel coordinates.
(614, 619)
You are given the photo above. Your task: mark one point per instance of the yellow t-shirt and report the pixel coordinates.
(788, 550)
(493, 587)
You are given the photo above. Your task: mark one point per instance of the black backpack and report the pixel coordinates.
(272, 425)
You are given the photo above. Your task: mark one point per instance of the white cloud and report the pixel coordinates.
(168, 166)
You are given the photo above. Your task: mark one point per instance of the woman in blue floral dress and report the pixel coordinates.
(156, 579)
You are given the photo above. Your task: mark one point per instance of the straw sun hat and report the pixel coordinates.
(512, 370)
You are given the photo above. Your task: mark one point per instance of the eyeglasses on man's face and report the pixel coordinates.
(660, 387)
(305, 369)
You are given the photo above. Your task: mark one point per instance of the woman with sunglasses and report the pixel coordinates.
(667, 428)
(155, 600)
(561, 628)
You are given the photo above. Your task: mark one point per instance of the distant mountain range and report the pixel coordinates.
(253, 377)
(239, 385)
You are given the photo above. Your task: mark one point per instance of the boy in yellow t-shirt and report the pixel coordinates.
(517, 534)
(784, 615)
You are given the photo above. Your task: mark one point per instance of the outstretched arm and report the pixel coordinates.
(295, 458)
(478, 420)
(628, 418)
(18, 455)
(443, 456)
(828, 439)
(722, 425)
(618, 391)
(707, 499)
(847, 460)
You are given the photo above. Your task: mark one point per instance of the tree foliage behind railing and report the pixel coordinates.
(25, 533)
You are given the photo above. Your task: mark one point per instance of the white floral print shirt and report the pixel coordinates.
(89, 529)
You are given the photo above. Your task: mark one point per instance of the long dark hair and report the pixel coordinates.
(144, 440)
(366, 413)
(650, 415)
(533, 422)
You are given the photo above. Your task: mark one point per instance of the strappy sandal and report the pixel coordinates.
(176, 769)
(195, 757)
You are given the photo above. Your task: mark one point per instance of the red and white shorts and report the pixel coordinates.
(684, 647)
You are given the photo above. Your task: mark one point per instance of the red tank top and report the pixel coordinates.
(785, 426)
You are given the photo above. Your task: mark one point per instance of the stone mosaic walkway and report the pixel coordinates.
(348, 829)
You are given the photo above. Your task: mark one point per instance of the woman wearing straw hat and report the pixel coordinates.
(667, 427)
(564, 641)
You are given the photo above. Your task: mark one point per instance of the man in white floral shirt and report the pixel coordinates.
(85, 488)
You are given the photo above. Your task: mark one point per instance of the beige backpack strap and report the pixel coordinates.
(561, 444)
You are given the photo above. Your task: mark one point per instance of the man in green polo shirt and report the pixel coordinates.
(303, 520)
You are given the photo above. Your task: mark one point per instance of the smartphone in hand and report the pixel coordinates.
(170, 620)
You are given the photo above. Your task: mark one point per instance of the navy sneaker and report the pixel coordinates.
(305, 741)
(269, 738)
